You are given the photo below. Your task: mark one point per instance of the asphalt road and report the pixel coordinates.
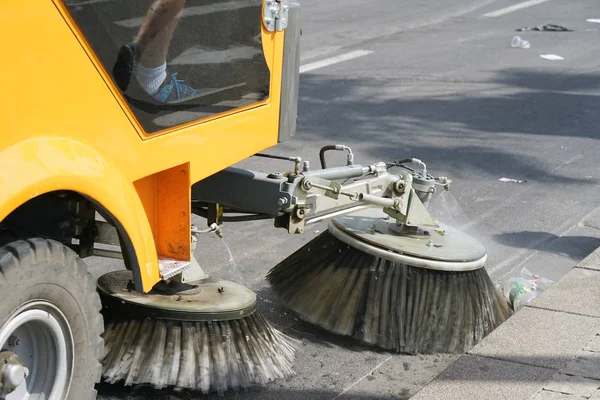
(442, 84)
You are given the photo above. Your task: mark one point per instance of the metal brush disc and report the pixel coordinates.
(206, 300)
(440, 248)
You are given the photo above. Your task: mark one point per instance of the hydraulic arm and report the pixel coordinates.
(305, 196)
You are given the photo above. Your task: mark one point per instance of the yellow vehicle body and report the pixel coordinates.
(67, 127)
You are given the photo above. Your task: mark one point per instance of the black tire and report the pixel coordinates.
(40, 269)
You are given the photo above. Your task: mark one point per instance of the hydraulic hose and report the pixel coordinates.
(338, 147)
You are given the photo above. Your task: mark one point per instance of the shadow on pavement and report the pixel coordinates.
(575, 247)
(548, 81)
(458, 129)
(265, 393)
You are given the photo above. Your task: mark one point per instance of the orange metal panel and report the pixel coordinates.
(166, 197)
(146, 189)
(173, 203)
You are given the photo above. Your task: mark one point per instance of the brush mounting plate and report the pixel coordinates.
(379, 235)
(206, 300)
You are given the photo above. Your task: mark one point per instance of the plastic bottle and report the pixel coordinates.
(518, 42)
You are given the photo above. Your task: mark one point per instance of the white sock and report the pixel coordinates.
(150, 79)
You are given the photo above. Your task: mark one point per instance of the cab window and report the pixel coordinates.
(177, 61)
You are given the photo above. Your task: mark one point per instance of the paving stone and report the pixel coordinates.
(574, 385)
(539, 337)
(400, 377)
(478, 378)
(547, 395)
(396, 390)
(586, 364)
(577, 292)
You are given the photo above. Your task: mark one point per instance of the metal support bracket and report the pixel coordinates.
(183, 271)
(195, 272)
(413, 213)
(169, 267)
(275, 14)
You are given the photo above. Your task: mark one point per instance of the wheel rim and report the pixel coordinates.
(39, 334)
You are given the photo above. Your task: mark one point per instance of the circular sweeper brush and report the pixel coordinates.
(399, 288)
(205, 336)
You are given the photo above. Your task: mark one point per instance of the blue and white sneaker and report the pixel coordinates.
(176, 91)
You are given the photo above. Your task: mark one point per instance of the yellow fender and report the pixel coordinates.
(48, 164)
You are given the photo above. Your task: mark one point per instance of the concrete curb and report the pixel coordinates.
(550, 349)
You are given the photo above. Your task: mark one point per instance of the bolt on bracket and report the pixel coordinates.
(275, 14)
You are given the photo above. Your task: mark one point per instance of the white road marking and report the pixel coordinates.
(552, 57)
(333, 60)
(515, 7)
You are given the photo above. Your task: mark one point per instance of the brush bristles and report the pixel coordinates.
(204, 356)
(387, 304)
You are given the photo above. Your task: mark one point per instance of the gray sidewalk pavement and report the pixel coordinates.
(548, 350)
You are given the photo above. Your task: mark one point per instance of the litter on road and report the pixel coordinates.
(521, 43)
(512, 180)
(522, 289)
(545, 28)
(594, 20)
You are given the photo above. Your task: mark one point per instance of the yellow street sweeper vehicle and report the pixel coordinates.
(120, 120)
